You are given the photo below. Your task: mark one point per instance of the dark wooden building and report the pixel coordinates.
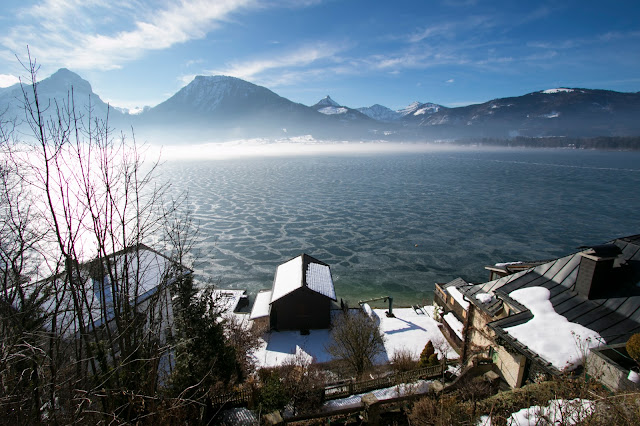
(302, 295)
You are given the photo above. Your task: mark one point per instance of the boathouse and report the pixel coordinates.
(300, 298)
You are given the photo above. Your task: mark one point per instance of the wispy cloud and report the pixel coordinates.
(68, 31)
(450, 29)
(304, 56)
(559, 44)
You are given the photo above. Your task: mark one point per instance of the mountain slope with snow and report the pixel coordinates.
(552, 112)
(223, 108)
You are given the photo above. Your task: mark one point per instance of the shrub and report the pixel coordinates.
(403, 360)
(426, 353)
(633, 347)
(271, 395)
(442, 412)
(433, 359)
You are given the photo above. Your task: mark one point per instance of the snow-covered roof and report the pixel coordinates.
(228, 299)
(548, 333)
(455, 324)
(143, 269)
(303, 271)
(453, 291)
(261, 307)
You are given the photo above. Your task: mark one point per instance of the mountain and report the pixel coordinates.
(222, 108)
(380, 113)
(328, 106)
(420, 110)
(326, 102)
(416, 109)
(571, 112)
(59, 90)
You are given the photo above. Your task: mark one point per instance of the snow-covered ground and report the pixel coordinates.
(558, 412)
(408, 331)
(404, 389)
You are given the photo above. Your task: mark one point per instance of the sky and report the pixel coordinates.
(450, 52)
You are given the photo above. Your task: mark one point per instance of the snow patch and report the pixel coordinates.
(558, 412)
(558, 90)
(484, 297)
(330, 110)
(403, 389)
(548, 333)
(502, 265)
(408, 331)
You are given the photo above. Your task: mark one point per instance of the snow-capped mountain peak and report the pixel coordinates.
(327, 102)
(409, 109)
(380, 113)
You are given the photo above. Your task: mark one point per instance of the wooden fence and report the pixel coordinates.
(240, 397)
(343, 389)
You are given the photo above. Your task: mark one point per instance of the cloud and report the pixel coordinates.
(451, 80)
(7, 80)
(451, 29)
(301, 57)
(68, 31)
(565, 44)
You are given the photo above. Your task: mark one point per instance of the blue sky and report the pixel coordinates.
(451, 52)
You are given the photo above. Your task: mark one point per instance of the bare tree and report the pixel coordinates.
(356, 339)
(97, 331)
(22, 360)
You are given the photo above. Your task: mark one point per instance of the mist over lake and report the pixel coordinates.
(395, 223)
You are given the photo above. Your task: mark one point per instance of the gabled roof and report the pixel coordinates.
(303, 271)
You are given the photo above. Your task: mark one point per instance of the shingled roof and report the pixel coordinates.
(303, 271)
(615, 315)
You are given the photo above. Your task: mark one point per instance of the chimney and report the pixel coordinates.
(595, 270)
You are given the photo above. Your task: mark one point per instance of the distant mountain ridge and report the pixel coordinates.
(223, 108)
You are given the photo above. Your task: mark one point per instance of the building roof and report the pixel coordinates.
(140, 268)
(615, 315)
(513, 267)
(303, 271)
(261, 306)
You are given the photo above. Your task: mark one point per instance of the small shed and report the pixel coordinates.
(301, 295)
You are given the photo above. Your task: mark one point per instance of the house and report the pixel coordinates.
(545, 320)
(132, 284)
(301, 296)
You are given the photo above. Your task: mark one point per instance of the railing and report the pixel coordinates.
(350, 388)
(340, 390)
(240, 397)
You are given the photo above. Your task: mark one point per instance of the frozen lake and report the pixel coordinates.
(395, 223)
